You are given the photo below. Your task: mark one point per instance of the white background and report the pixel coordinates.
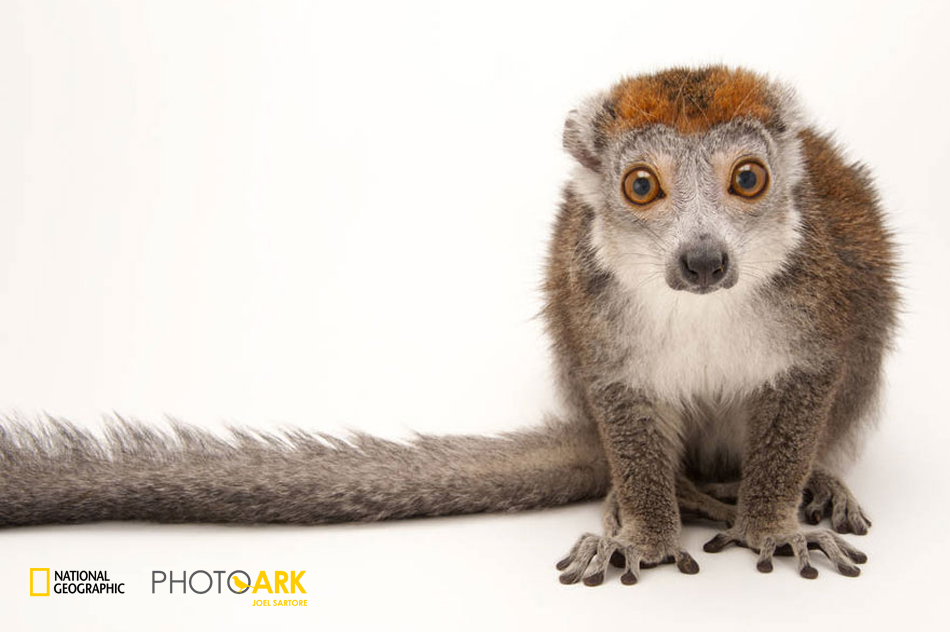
(333, 215)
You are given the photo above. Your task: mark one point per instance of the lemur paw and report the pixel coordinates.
(840, 553)
(826, 496)
(591, 555)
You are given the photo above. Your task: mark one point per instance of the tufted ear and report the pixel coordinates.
(584, 137)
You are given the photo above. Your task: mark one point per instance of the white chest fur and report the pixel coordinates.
(715, 347)
(701, 356)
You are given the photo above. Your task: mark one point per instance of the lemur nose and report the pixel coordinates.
(704, 267)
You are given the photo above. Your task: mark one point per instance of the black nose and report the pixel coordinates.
(704, 267)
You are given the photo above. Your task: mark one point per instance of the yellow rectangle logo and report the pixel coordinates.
(37, 576)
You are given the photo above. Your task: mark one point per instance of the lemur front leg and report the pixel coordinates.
(782, 444)
(643, 464)
(690, 500)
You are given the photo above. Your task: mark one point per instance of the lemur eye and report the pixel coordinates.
(749, 179)
(641, 186)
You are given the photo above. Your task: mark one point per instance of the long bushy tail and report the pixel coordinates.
(57, 473)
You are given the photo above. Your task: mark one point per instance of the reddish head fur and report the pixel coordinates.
(692, 100)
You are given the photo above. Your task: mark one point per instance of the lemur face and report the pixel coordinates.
(689, 199)
(710, 210)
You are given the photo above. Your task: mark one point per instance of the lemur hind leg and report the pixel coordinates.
(697, 503)
(691, 501)
(725, 492)
(827, 496)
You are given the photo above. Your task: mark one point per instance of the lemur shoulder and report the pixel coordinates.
(720, 296)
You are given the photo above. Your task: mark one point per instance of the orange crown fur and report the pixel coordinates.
(692, 100)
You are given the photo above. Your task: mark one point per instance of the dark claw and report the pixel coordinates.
(564, 563)
(687, 564)
(628, 579)
(848, 571)
(815, 517)
(809, 572)
(860, 529)
(569, 578)
(594, 580)
(858, 557)
(718, 543)
(764, 566)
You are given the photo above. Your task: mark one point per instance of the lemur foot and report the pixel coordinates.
(798, 543)
(825, 495)
(591, 554)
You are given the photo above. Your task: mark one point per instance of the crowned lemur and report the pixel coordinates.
(720, 293)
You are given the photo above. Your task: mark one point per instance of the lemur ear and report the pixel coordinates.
(584, 137)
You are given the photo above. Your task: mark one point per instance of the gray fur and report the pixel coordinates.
(768, 379)
(56, 473)
(727, 403)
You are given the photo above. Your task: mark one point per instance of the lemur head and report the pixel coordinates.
(690, 173)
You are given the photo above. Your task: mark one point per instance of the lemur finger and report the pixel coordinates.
(839, 517)
(579, 559)
(854, 554)
(686, 563)
(850, 519)
(833, 552)
(631, 572)
(564, 563)
(764, 563)
(719, 542)
(594, 576)
(857, 523)
(800, 546)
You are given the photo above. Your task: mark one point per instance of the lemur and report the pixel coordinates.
(720, 292)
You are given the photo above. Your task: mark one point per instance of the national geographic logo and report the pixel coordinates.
(84, 582)
(238, 582)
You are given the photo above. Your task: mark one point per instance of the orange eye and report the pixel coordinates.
(641, 186)
(749, 179)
